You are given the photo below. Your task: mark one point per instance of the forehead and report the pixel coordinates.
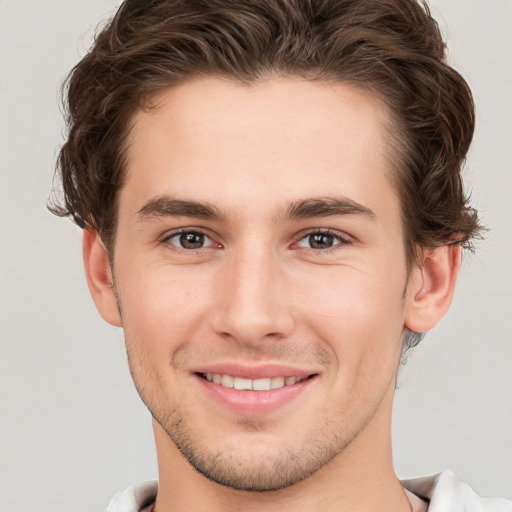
(218, 141)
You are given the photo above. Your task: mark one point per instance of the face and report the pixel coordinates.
(260, 273)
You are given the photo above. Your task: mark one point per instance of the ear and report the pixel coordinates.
(99, 277)
(431, 288)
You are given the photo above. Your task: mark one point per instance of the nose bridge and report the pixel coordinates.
(251, 303)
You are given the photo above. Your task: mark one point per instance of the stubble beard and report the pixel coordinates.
(273, 466)
(271, 470)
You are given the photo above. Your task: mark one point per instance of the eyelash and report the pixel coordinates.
(341, 241)
(182, 250)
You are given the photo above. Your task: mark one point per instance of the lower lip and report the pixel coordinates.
(252, 403)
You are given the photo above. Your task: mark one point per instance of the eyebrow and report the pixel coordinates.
(166, 206)
(326, 207)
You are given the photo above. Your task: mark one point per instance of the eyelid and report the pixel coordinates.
(165, 239)
(344, 239)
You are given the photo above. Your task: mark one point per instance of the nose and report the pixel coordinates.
(252, 299)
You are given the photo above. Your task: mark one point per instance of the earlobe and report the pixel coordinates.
(431, 288)
(99, 277)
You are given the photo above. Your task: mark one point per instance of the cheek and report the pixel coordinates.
(359, 315)
(162, 307)
(161, 313)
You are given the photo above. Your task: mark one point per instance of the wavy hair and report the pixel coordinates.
(390, 48)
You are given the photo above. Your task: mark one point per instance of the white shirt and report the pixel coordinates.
(443, 492)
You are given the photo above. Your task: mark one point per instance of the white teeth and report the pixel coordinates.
(239, 383)
(261, 384)
(276, 382)
(264, 384)
(227, 381)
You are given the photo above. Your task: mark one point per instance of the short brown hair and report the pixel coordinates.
(392, 48)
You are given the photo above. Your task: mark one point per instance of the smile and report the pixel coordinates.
(241, 383)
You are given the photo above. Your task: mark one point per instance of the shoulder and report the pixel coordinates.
(135, 498)
(446, 493)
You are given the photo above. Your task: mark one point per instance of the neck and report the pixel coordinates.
(361, 478)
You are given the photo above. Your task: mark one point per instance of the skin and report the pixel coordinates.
(258, 291)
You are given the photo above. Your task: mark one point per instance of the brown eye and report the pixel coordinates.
(320, 241)
(190, 240)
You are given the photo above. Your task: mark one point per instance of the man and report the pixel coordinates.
(272, 208)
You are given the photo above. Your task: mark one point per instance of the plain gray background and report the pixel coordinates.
(73, 430)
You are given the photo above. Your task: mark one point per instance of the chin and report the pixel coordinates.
(254, 460)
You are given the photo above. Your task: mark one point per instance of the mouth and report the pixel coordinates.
(245, 384)
(255, 392)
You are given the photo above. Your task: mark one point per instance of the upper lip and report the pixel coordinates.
(254, 371)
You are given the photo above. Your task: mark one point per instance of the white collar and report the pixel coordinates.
(444, 491)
